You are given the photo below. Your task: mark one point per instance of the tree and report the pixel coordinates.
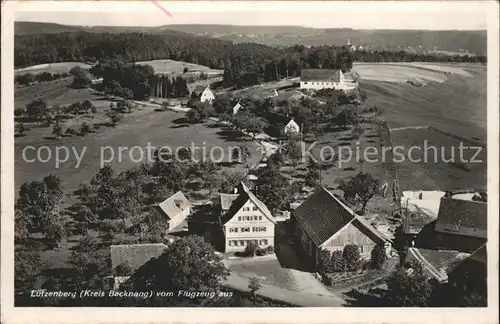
(76, 70)
(37, 109)
(407, 290)
(86, 106)
(21, 129)
(114, 118)
(357, 131)
(57, 130)
(251, 248)
(188, 264)
(254, 126)
(85, 129)
(293, 151)
(360, 189)
(254, 285)
(378, 256)
(19, 112)
(229, 180)
(86, 216)
(81, 80)
(28, 266)
(272, 188)
(241, 153)
(351, 257)
(55, 231)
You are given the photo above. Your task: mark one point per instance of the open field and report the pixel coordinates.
(177, 67)
(403, 71)
(56, 92)
(52, 67)
(457, 105)
(137, 129)
(433, 173)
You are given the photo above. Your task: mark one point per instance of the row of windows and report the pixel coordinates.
(320, 83)
(249, 208)
(249, 218)
(247, 229)
(245, 242)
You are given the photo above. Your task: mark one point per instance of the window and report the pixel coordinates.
(260, 217)
(245, 229)
(239, 218)
(242, 242)
(255, 217)
(360, 249)
(263, 242)
(255, 208)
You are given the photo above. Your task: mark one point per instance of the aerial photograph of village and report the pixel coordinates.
(198, 164)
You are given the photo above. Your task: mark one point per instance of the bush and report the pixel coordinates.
(260, 252)
(378, 257)
(111, 226)
(270, 249)
(251, 249)
(351, 257)
(71, 131)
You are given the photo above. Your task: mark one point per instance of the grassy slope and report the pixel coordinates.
(457, 105)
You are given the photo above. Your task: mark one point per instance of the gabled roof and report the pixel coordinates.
(292, 122)
(226, 200)
(199, 89)
(134, 255)
(237, 107)
(244, 194)
(320, 75)
(322, 215)
(462, 217)
(174, 205)
(480, 254)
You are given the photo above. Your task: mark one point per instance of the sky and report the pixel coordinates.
(358, 15)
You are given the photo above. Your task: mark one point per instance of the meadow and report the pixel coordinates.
(62, 67)
(177, 67)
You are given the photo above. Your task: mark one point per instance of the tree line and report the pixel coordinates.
(244, 63)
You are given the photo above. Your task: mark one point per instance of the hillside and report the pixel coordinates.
(417, 40)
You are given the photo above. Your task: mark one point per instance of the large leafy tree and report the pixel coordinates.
(360, 189)
(28, 266)
(188, 264)
(37, 109)
(408, 289)
(272, 187)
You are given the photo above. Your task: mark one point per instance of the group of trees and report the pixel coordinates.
(28, 78)
(349, 259)
(125, 79)
(37, 209)
(166, 87)
(244, 64)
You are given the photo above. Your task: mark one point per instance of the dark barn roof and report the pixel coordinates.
(322, 215)
(462, 217)
(320, 75)
(135, 255)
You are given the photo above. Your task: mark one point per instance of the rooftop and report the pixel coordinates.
(174, 205)
(134, 255)
(320, 75)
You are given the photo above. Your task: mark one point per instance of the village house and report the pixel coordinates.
(318, 79)
(324, 223)
(127, 258)
(203, 93)
(236, 108)
(291, 128)
(461, 224)
(244, 219)
(172, 212)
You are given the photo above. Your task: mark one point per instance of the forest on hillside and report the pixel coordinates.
(244, 63)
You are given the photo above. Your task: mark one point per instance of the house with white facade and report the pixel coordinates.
(172, 212)
(291, 128)
(204, 93)
(318, 79)
(236, 108)
(244, 219)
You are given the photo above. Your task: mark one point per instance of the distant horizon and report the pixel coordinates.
(220, 24)
(357, 15)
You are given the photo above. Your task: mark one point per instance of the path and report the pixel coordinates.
(305, 299)
(427, 265)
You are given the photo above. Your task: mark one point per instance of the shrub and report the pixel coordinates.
(270, 249)
(250, 249)
(71, 131)
(84, 129)
(378, 257)
(351, 257)
(111, 226)
(260, 252)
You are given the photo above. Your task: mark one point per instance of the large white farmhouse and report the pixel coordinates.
(317, 79)
(204, 93)
(244, 219)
